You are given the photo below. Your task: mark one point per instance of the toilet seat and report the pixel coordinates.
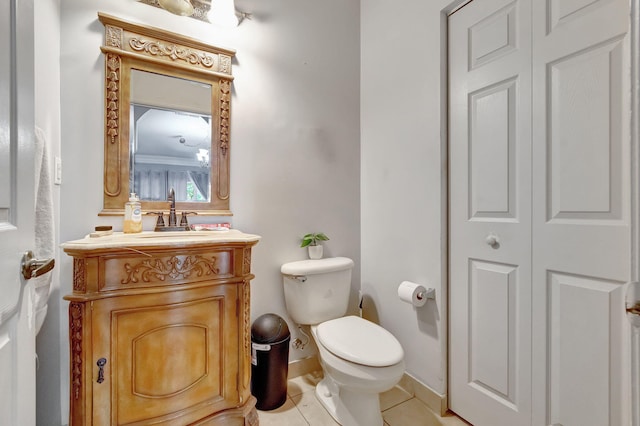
(360, 341)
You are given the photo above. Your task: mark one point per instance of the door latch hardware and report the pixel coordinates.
(32, 267)
(635, 309)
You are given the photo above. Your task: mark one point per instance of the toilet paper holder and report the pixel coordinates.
(429, 293)
(415, 294)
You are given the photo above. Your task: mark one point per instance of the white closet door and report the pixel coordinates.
(581, 212)
(490, 212)
(540, 164)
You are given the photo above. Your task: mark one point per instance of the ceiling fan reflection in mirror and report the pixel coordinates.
(202, 154)
(188, 143)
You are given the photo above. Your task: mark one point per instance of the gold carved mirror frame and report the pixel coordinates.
(128, 47)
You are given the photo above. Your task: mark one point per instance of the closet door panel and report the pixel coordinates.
(490, 208)
(577, 359)
(584, 162)
(581, 212)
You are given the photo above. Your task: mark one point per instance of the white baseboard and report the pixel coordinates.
(303, 366)
(432, 399)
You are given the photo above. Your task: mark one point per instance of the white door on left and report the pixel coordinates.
(17, 320)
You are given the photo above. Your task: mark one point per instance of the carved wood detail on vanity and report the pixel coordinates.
(174, 267)
(160, 332)
(162, 269)
(246, 335)
(79, 282)
(75, 335)
(246, 267)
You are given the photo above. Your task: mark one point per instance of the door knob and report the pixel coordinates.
(492, 240)
(32, 267)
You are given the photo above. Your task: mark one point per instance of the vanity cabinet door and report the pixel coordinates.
(167, 356)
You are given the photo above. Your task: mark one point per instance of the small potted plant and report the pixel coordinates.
(312, 242)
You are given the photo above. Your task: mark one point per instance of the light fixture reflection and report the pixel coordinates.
(223, 13)
(203, 157)
(178, 7)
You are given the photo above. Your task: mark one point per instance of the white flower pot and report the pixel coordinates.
(315, 252)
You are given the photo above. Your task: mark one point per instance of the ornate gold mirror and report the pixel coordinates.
(167, 104)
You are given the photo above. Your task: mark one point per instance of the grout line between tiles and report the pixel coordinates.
(399, 403)
(299, 411)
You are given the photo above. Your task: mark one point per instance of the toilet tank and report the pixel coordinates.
(317, 290)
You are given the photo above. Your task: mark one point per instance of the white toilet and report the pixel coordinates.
(359, 358)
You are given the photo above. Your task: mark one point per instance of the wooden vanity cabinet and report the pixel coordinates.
(160, 335)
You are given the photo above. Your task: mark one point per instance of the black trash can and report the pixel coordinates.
(269, 361)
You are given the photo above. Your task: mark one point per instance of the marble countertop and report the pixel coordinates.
(169, 239)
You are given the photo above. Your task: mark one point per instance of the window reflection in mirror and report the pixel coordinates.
(170, 138)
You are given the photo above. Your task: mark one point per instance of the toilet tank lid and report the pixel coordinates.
(360, 341)
(317, 266)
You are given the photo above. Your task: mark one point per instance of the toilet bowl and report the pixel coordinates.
(351, 387)
(359, 359)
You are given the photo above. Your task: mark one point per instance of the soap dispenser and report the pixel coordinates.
(132, 215)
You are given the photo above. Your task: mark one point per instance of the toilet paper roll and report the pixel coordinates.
(412, 293)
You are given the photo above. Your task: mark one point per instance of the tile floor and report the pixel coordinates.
(303, 409)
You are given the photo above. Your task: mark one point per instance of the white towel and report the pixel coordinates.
(44, 226)
(45, 230)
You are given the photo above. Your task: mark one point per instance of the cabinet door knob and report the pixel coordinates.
(101, 363)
